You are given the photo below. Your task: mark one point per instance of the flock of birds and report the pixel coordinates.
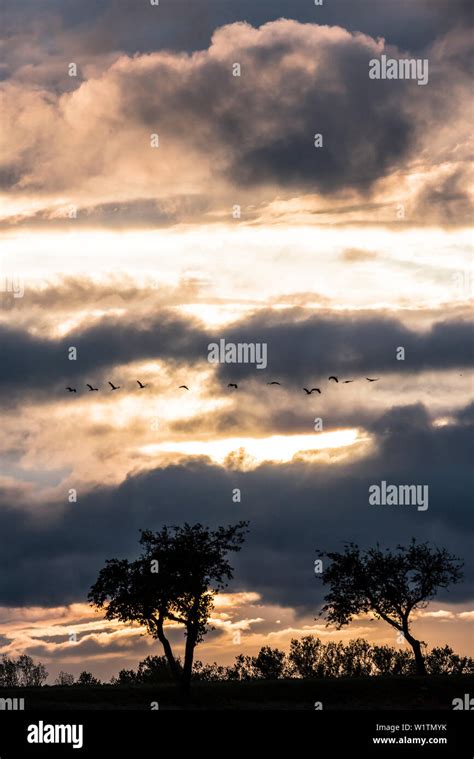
(233, 385)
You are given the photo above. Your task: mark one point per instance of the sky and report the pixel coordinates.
(161, 189)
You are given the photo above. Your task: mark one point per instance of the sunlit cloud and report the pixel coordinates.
(140, 257)
(278, 448)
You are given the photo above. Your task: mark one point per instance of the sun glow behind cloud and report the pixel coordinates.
(154, 242)
(275, 448)
(251, 264)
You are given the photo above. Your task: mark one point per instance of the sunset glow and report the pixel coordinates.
(184, 175)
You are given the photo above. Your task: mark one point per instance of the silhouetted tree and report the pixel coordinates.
(334, 659)
(64, 679)
(208, 672)
(391, 585)
(9, 675)
(390, 661)
(269, 664)
(242, 669)
(125, 677)
(29, 673)
(21, 672)
(154, 669)
(306, 656)
(357, 658)
(443, 661)
(176, 578)
(87, 678)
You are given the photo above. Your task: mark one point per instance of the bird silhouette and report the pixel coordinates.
(233, 385)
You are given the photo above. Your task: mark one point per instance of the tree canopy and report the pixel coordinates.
(175, 579)
(388, 584)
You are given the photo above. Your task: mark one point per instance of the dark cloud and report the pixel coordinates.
(245, 134)
(293, 509)
(189, 24)
(465, 415)
(298, 347)
(358, 344)
(37, 363)
(297, 80)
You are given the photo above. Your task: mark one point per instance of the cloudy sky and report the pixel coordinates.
(154, 202)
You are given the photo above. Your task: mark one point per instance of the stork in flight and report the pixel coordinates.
(114, 387)
(92, 388)
(141, 385)
(183, 387)
(71, 389)
(332, 377)
(313, 390)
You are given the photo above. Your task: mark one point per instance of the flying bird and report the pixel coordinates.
(370, 379)
(273, 383)
(313, 390)
(183, 387)
(332, 377)
(141, 385)
(346, 382)
(113, 387)
(92, 388)
(71, 389)
(232, 384)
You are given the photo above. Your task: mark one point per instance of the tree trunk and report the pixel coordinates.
(175, 669)
(188, 661)
(419, 658)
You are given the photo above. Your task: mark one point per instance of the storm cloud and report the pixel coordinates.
(298, 346)
(229, 171)
(251, 133)
(293, 510)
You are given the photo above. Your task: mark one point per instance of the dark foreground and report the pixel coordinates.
(368, 717)
(389, 693)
